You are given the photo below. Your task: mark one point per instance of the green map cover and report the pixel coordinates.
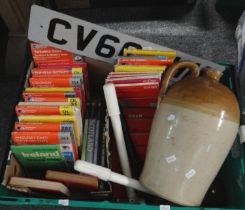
(39, 156)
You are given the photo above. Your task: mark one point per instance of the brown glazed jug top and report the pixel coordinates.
(205, 94)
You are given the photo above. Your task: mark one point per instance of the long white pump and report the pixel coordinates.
(114, 113)
(107, 175)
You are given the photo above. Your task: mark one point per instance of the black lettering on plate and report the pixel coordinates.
(81, 41)
(52, 27)
(102, 45)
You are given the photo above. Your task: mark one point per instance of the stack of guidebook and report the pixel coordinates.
(137, 78)
(48, 133)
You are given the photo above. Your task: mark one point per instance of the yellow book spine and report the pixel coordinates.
(74, 102)
(136, 68)
(44, 103)
(169, 54)
(66, 110)
(77, 70)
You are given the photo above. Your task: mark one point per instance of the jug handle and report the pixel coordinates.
(194, 68)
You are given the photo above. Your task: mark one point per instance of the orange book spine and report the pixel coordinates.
(43, 54)
(45, 99)
(36, 137)
(37, 127)
(51, 71)
(49, 94)
(52, 76)
(54, 82)
(57, 70)
(37, 110)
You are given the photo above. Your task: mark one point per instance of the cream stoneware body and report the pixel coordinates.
(192, 132)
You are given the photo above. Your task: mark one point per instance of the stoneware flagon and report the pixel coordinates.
(192, 132)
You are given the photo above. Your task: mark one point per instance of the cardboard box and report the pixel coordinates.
(232, 169)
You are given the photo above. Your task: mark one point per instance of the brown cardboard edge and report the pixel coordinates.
(97, 71)
(13, 168)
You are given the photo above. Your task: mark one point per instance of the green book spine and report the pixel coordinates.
(40, 156)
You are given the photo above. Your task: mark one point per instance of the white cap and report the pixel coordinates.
(93, 170)
(111, 99)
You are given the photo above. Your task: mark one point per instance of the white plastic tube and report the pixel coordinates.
(108, 175)
(114, 113)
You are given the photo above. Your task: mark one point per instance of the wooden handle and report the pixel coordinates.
(173, 69)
